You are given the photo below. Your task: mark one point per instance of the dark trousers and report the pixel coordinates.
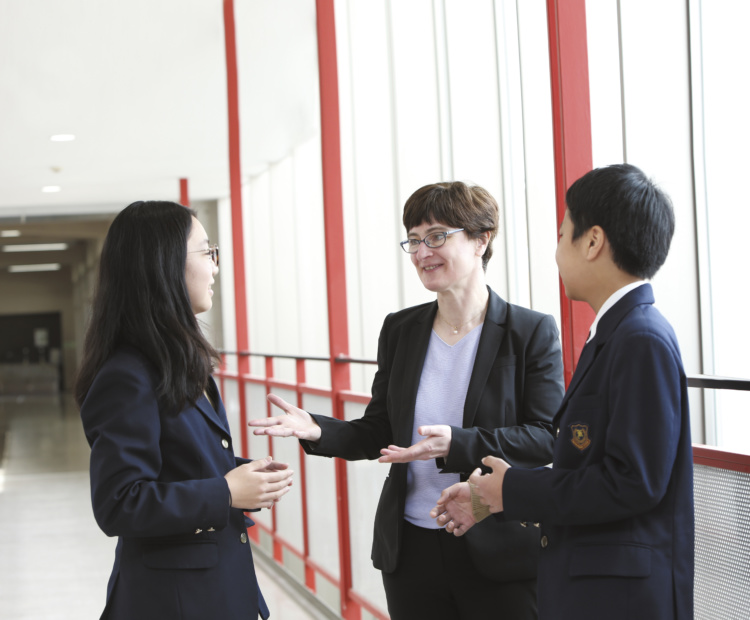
(436, 579)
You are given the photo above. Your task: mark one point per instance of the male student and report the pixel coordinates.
(616, 507)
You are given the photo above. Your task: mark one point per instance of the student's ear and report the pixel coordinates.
(596, 240)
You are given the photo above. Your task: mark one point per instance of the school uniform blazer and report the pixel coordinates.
(617, 507)
(157, 483)
(515, 388)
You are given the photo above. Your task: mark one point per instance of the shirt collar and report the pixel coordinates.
(611, 301)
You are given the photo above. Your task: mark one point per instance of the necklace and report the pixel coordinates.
(455, 328)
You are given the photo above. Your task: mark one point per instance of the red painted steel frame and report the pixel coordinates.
(184, 196)
(235, 190)
(338, 328)
(571, 114)
(714, 457)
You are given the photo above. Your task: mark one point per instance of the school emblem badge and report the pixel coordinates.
(580, 438)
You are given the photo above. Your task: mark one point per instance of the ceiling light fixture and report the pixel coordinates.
(10, 233)
(30, 268)
(51, 189)
(35, 247)
(62, 137)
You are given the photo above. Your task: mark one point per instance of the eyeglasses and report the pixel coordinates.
(212, 251)
(433, 240)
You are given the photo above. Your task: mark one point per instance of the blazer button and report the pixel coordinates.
(198, 531)
(225, 443)
(243, 538)
(544, 542)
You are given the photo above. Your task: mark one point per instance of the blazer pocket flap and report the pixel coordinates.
(204, 554)
(624, 560)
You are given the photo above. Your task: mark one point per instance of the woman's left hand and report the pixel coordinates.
(436, 444)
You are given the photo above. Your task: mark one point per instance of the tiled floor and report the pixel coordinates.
(54, 560)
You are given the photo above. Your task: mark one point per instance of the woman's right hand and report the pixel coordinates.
(258, 484)
(295, 422)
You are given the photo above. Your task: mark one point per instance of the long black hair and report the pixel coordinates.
(141, 300)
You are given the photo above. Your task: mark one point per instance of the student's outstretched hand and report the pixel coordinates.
(453, 509)
(437, 444)
(259, 484)
(294, 422)
(489, 488)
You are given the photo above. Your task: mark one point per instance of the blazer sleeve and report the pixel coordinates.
(527, 441)
(642, 402)
(121, 419)
(363, 438)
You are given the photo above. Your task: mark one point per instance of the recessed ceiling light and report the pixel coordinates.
(28, 268)
(51, 189)
(62, 137)
(35, 247)
(10, 233)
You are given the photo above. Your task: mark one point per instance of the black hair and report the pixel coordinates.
(455, 203)
(141, 300)
(634, 213)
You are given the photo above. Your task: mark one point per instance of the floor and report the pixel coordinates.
(54, 560)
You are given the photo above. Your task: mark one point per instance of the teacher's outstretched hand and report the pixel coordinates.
(294, 422)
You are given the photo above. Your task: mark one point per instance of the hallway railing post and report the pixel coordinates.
(571, 121)
(235, 193)
(338, 328)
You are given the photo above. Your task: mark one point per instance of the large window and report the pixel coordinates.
(722, 132)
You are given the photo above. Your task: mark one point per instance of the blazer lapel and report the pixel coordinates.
(493, 332)
(218, 416)
(644, 294)
(418, 339)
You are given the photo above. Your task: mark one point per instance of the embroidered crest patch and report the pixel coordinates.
(580, 438)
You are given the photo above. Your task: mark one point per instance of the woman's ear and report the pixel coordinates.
(482, 242)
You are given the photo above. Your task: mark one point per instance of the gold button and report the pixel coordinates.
(210, 529)
(225, 443)
(243, 538)
(545, 542)
(198, 531)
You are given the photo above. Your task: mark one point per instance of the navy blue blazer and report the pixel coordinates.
(157, 483)
(515, 388)
(617, 506)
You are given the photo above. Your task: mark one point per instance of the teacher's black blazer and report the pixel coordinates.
(515, 389)
(157, 483)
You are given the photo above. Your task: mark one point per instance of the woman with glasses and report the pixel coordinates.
(164, 477)
(465, 376)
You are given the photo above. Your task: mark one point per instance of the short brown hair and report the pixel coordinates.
(455, 204)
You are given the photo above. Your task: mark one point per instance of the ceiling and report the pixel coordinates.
(142, 86)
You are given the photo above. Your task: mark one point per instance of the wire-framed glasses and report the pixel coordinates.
(433, 240)
(212, 251)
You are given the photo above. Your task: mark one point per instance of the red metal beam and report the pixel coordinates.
(184, 196)
(338, 327)
(571, 118)
(235, 192)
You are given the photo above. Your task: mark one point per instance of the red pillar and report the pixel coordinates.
(569, 72)
(338, 328)
(235, 190)
(184, 196)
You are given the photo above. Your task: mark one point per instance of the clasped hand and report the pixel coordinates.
(454, 509)
(259, 484)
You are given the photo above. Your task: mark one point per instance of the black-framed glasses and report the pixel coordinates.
(433, 240)
(212, 251)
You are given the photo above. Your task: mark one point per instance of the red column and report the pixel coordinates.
(235, 189)
(338, 328)
(184, 196)
(569, 71)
